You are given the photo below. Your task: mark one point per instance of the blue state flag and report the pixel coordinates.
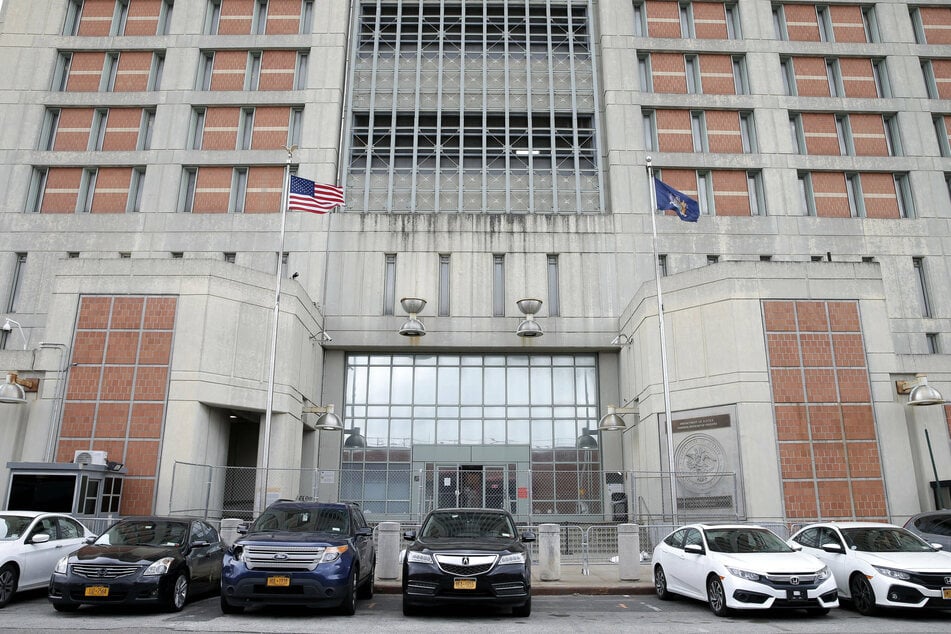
(687, 208)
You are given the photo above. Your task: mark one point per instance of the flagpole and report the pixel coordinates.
(265, 458)
(663, 343)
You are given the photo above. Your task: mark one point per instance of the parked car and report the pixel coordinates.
(742, 567)
(316, 554)
(880, 565)
(30, 544)
(467, 556)
(140, 560)
(934, 527)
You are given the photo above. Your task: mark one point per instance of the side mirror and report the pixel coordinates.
(832, 548)
(937, 546)
(528, 536)
(694, 549)
(409, 535)
(40, 538)
(366, 531)
(241, 529)
(91, 539)
(795, 546)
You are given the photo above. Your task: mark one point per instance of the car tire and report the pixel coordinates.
(524, 610)
(409, 609)
(65, 607)
(348, 607)
(863, 595)
(9, 578)
(228, 608)
(716, 597)
(366, 588)
(660, 585)
(178, 593)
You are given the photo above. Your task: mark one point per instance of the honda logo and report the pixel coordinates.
(465, 561)
(794, 581)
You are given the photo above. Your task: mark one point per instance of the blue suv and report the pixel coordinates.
(315, 554)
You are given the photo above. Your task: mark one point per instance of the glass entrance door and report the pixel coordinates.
(471, 486)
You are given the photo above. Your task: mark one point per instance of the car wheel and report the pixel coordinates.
(524, 610)
(9, 577)
(228, 608)
(176, 600)
(817, 611)
(863, 596)
(366, 589)
(716, 597)
(660, 585)
(408, 608)
(349, 605)
(65, 607)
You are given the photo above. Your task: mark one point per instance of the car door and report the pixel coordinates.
(363, 543)
(673, 562)
(839, 563)
(39, 558)
(694, 566)
(199, 562)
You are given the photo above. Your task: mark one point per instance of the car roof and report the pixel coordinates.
(470, 510)
(850, 525)
(28, 513)
(160, 518)
(931, 514)
(721, 526)
(295, 504)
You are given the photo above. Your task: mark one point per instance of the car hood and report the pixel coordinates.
(920, 562)
(468, 545)
(764, 563)
(96, 554)
(294, 537)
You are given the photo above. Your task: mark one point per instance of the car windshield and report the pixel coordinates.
(745, 540)
(884, 540)
(455, 524)
(12, 526)
(303, 520)
(144, 533)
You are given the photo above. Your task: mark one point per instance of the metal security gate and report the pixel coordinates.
(471, 486)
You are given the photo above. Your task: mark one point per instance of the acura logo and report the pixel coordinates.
(465, 561)
(794, 581)
(280, 556)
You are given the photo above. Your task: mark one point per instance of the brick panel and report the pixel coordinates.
(143, 18)
(127, 312)
(668, 73)
(85, 72)
(869, 498)
(879, 195)
(663, 19)
(801, 22)
(730, 194)
(133, 72)
(847, 23)
(868, 134)
(848, 350)
(937, 24)
(221, 128)
(829, 460)
(112, 190)
(812, 317)
(137, 495)
(213, 190)
(228, 70)
(709, 20)
(800, 499)
(277, 70)
(811, 77)
(146, 420)
(831, 197)
(682, 180)
(142, 456)
(77, 420)
(859, 422)
(236, 17)
(112, 420)
(155, 347)
(67, 448)
(844, 317)
(151, 383)
(62, 188)
(787, 385)
(122, 129)
(835, 499)
(825, 422)
(270, 128)
(94, 313)
(123, 347)
(857, 77)
(673, 131)
(783, 350)
(72, 131)
(864, 461)
(780, 316)
(117, 383)
(89, 346)
(159, 313)
(941, 68)
(795, 461)
(853, 386)
(819, 131)
(791, 422)
(816, 349)
(265, 189)
(96, 18)
(820, 385)
(283, 17)
(84, 383)
(723, 131)
(716, 75)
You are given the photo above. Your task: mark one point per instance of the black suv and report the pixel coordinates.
(316, 554)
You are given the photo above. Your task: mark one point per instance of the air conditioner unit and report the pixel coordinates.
(89, 457)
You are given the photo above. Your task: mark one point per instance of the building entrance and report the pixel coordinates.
(473, 486)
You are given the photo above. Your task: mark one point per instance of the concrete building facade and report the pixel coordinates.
(490, 151)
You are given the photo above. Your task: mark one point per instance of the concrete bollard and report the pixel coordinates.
(388, 550)
(628, 552)
(549, 552)
(229, 529)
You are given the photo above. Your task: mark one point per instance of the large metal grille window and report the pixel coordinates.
(484, 106)
(543, 402)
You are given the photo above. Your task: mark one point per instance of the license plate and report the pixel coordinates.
(278, 582)
(946, 593)
(463, 584)
(796, 595)
(97, 591)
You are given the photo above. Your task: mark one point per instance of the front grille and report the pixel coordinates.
(466, 565)
(91, 571)
(785, 579)
(931, 580)
(257, 557)
(512, 589)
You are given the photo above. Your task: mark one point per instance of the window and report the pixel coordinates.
(918, 24)
(644, 73)
(111, 495)
(155, 73)
(686, 21)
(748, 133)
(245, 128)
(930, 82)
(941, 133)
(72, 255)
(806, 194)
(816, 258)
(498, 285)
(662, 264)
(640, 20)
(825, 24)
(713, 259)
(705, 193)
(870, 22)
(74, 9)
(442, 308)
(692, 69)
(834, 75)
(61, 72)
(867, 259)
(843, 132)
(754, 185)
(906, 203)
(37, 188)
(797, 133)
(177, 255)
(389, 283)
(300, 73)
(120, 17)
(253, 76)
(187, 194)
(146, 129)
(733, 31)
(554, 295)
(206, 71)
(924, 297)
(197, 128)
(239, 189)
(779, 23)
(765, 258)
(134, 203)
(87, 190)
(229, 257)
(50, 125)
(213, 17)
(853, 187)
(165, 17)
(307, 17)
(932, 341)
(789, 76)
(294, 128)
(740, 82)
(97, 133)
(109, 71)
(650, 130)
(698, 131)
(16, 283)
(892, 135)
(880, 73)
(259, 20)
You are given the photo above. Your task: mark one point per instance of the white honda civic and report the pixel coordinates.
(740, 567)
(880, 565)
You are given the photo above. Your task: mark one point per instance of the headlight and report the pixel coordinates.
(824, 574)
(332, 553)
(514, 558)
(893, 573)
(414, 557)
(744, 574)
(160, 567)
(237, 553)
(61, 566)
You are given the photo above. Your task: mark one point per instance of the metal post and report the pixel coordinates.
(937, 482)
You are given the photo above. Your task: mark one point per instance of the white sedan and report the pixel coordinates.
(880, 565)
(30, 545)
(744, 567)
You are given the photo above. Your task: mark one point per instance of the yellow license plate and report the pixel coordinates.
(946, 593)
(278, 582)
(97, 591)
(463, 584)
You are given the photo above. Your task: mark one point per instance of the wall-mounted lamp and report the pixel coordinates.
(588, 439)
(327, 421)
(355, 440)
(621, 340)
(919, 392)
(612, 421)
(8, 327)
(321, 337)
(413, 327)
(14, 389)
(529, 327)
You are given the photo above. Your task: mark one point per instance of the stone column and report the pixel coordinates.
(388, 550)
(549, 552)
(629, 552)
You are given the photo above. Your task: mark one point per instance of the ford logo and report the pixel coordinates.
(280, 556)
(794, 581)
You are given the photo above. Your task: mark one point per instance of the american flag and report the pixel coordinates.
(314, 197)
